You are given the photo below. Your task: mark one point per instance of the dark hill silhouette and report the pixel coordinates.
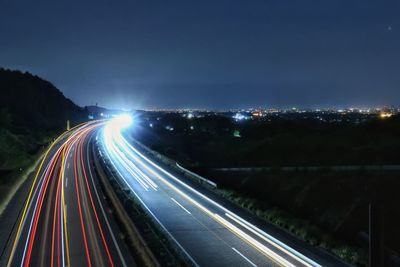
(32, 113)
(29, 103)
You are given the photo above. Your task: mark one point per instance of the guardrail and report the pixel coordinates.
(167, 253)
(201, 179)
(175, 165)
(132, 233)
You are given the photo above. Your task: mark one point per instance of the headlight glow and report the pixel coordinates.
(122, 121)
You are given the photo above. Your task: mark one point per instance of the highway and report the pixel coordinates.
(65, 220)
(207, 232)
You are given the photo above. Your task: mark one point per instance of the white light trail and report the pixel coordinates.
(119, 150)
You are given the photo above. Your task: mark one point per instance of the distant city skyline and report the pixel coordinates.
(366, 109)
(208, 54)
(283, 107)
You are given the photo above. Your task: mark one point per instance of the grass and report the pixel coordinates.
(19, 156)
(303, 229)
(9, 184)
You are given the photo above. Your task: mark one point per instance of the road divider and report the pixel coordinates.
(178, 167)
(145, 237)
(133, 235)
(200, 179)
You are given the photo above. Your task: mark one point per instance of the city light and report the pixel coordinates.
(385, 115)
(240, 117)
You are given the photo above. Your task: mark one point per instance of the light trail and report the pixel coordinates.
(34, 189)
(47, 196)
(36, 212)
(265, 236)
(142, 176)
(29, 199)
(104, 215)
(266, 251)
(120, 152)
(92, 204)
(80, 213)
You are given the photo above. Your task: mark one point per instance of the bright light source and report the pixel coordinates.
(385, 115)
(240, 117)
(122, 121)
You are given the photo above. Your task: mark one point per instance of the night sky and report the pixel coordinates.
(208, 54)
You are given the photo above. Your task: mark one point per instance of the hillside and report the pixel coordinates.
(32, 113)
(29, 103)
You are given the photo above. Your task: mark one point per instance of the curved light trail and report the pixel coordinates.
(64, 221)
(234, 237)
(61, 224)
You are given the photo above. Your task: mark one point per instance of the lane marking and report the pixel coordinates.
(244, 257)
(177, 203)
(80, 211)
(63, 200)
(250, 240)
(242, 223)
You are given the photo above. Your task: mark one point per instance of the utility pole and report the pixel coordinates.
(68, 125)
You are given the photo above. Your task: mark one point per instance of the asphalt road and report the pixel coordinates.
(65, 221)
(207, 232)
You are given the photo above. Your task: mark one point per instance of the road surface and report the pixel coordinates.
(207, 232)
(65, 220)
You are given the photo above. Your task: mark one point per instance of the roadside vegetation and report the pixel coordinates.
(301, 228)
(328, 209)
